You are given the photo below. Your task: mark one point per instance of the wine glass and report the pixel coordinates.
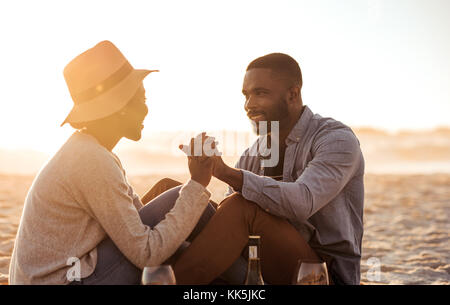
(158, 275)
(311, 273)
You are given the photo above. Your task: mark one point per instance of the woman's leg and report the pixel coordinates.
(155, 211)
(113, 268)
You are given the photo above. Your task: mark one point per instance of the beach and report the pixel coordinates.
(406, 207)
(406, 224)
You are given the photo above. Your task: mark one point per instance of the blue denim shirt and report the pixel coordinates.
(321, 193)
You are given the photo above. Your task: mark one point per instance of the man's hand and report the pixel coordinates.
(200, 160)
(214, 166)
(219, 167)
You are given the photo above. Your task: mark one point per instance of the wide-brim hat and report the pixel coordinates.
(101, 81)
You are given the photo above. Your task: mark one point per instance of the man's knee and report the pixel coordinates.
(160, 187)
(236, 203)
(167, 183)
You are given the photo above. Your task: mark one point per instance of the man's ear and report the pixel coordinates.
(293, 94)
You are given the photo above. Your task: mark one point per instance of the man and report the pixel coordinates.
(308, 206)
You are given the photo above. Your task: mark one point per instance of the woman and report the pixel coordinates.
(82, 221)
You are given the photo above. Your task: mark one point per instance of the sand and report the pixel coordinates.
(407, 228)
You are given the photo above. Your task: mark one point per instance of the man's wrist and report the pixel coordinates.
(232, 176)
(220, 170)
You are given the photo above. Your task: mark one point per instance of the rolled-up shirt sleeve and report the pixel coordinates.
(336, 158)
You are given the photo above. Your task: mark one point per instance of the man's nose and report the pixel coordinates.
(249, 104)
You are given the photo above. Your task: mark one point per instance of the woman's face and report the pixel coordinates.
(134, 114)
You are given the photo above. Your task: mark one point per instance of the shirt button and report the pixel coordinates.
(267, 210)
(298, 139)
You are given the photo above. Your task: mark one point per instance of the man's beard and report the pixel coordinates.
(279, 113)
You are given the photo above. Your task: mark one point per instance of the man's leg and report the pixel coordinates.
(160, 187)
(224, 238)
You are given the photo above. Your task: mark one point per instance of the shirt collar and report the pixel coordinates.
(295, 135)
(300, 127)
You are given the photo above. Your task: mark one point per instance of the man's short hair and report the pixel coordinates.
(279, 63)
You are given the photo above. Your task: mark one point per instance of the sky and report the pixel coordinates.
(382, 64)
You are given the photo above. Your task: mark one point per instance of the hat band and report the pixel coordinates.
(104, 86)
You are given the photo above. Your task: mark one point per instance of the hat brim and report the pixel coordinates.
(109, 102)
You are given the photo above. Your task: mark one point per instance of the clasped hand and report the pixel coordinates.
(201, 153)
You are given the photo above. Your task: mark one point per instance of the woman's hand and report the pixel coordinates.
(200, 162)
(200, 169)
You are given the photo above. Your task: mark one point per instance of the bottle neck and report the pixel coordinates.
(254, 262)
(254, 266)
(253, 252)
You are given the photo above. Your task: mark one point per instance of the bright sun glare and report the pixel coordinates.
(373, 63)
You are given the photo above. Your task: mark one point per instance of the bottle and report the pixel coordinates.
(254, 276)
